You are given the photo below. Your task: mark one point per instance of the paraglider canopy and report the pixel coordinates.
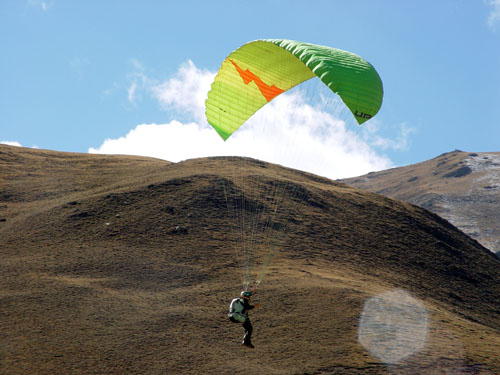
(258, 71)
(263, 205)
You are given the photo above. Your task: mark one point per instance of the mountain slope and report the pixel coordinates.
(114, 264)
(462, 187)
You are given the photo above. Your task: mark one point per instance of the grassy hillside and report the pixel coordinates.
(118, 264)
(462, 187)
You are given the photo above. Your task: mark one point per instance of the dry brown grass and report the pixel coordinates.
(95, 280)
(462, 187)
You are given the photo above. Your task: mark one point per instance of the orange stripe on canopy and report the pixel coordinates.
(269, 92)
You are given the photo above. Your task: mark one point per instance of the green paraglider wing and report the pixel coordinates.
(258, 71)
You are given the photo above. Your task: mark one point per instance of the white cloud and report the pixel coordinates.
(17, 144)
(43, 5)
(11, 143)
(138, 83)
(174, 141)
(288, 131)
(400, 143)
(131, 92)
(494, 15)
(187, 91)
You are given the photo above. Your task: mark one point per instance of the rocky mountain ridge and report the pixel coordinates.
(462, 187)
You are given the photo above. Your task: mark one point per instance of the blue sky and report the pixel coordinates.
(131, 77)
